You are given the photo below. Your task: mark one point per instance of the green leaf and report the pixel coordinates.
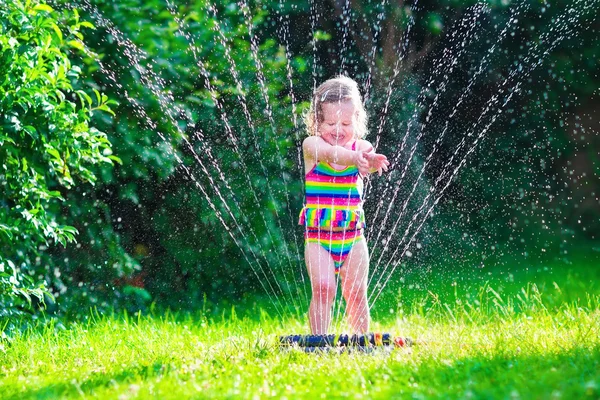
(105, 108)
(23, 293)
(69, 229)
(76, 44)
(31, 131)
(320, 35)
(83, 95)
(87, 24)
(116, 159)
(138, 292)
(53, 152)
(57, 31)
(43, 7)
(7, 230)
(98, 97)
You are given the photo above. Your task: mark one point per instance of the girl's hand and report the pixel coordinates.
(377, 162)
(361, 162)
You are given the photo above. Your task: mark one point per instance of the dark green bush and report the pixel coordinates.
(47, 145)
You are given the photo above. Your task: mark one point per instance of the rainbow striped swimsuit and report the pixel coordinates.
(333, 214)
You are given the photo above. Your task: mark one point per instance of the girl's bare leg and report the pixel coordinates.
(322, 277)
(354, 274)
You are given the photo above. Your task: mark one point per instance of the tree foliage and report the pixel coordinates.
(47, 143)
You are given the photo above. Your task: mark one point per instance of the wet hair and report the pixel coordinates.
(336, 90)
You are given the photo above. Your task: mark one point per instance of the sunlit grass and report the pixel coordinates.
(529, 342)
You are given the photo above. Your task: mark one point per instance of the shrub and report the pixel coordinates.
(47, 144)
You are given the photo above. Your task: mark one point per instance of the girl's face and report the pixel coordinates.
(337, 125)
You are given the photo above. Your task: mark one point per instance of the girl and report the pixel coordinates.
(336, 160)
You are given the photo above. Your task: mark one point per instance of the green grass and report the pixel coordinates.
(529, 336)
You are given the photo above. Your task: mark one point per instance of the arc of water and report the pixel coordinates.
(346, 20)
(482, 65)
(396, 72)
(313, 22)
(242, 98)
(437, 199)
(224, 202)
(439, 92)
(380, 17)
(403, 46)
(346, 23)
(345, 28)
(140, 112)
(398, 185)
(420, 98)
(515, 89)
(231, 135)
(284, 32)
(134, 55)
(261, 80)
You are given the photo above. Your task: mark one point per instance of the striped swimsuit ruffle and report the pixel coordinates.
(333, 199)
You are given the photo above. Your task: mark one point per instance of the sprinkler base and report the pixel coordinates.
(365, 342)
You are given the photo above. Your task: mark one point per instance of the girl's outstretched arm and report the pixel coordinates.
(377, 162)
(317, 149)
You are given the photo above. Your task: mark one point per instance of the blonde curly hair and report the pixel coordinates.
(336, 90)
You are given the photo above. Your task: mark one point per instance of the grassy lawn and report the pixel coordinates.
(535, 334)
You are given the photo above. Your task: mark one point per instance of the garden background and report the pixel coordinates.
(114, 116)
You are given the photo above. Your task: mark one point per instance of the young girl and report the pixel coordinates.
(336, 160)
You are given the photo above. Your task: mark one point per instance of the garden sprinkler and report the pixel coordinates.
(365, 342)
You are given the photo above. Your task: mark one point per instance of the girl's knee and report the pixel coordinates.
(355, 294)
(324, 289)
